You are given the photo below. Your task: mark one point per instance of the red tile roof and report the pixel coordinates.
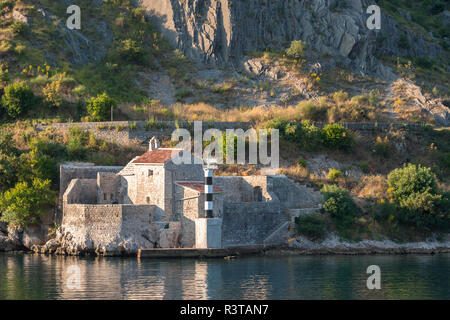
(157, 156)
(197, 186)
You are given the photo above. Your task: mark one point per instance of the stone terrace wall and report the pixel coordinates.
(109, 226)
(120, 133)
(81, 191)
(240, 188)
(292, 195)
(71, 171)
(249, 223)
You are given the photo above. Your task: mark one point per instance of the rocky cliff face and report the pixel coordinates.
(222, 31)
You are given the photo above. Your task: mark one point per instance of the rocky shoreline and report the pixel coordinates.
(334, 246)
(13, 240)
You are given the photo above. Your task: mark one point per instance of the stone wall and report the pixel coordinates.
(249, 223)
(107, 187)
(187, 209)
(245, 188)
(292, 195)
(81, 191)
(69, 171)
(189, 206)
(109, 228)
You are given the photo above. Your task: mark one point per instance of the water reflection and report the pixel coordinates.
(303, 277)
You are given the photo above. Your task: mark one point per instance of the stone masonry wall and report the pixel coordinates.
(71, 171)
(107, 130)
(242, 188)
(81, 191)
(109, 227)
(108, 184)
(249, 223)
(187, 207)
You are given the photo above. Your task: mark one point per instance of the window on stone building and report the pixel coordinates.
(112, 196)
(147, 199)
(150, 173)
(257, 194)
(104, 196)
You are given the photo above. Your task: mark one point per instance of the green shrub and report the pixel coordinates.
(340, 96)
(414, 190)
(132, 126)
(302, 162)
(311, 136)
(403, 42)
(340, 205)
(17, 99)
(309, 111)
(337, 137)
(19, 28)
(23, 204)
(296, 50)
(33, 165)
(183, 93)
(76, 146)
(410, 180)
(364, 166)
(131, 51)
(383, 147)
(445, 161)
(312, 226)
(373, 98)
(153, 123)
(99, 108)
(334, 174)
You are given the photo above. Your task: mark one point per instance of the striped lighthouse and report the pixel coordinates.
(209, 203)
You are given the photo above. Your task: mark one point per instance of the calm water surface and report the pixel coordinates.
(26, 276)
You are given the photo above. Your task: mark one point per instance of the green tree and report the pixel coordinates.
(100, 107)
(131, 51)
(8, 162)
(296, 50)
(23, 204)
(410, 180)
(17, 99)
(414, 190)
(340, 206)
(311, 225)
(336, 136)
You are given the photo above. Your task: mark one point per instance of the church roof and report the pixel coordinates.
(161, 155)
(197, 186)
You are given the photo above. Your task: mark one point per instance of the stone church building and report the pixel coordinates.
(153, 202)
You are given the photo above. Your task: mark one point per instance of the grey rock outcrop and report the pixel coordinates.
(221, 32)
(11, 240)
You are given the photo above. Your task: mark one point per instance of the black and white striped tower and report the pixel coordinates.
(209, 203)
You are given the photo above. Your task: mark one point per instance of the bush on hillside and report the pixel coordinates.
(340, 205)
(131, 51)
(312, 226)
(23, 204)
(17, 99)
(296, 50)
(335, 136)
(414, 190)
(99, 107)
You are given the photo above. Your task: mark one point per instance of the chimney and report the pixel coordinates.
(153, 144)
